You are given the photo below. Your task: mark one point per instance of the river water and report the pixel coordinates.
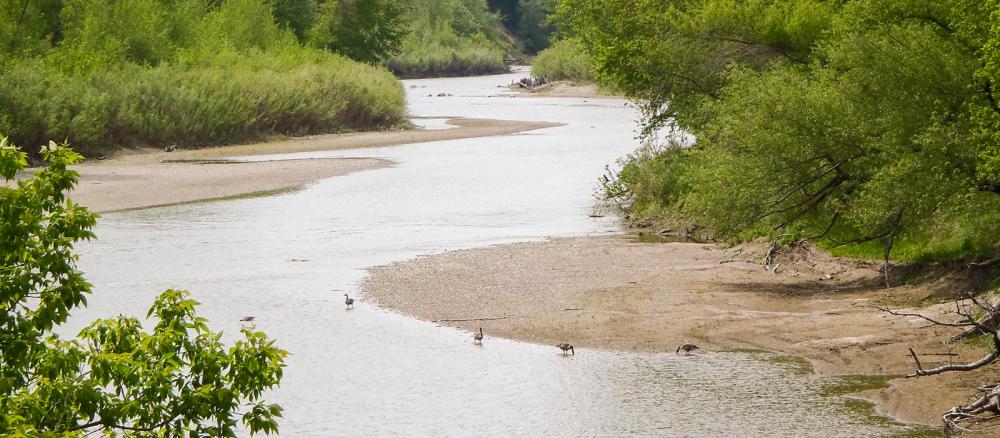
(287, 259)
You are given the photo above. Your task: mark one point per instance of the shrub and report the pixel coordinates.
(564, 61)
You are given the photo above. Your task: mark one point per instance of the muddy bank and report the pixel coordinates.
(145, 178)
(613, 293)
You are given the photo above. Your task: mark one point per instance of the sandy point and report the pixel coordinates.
(611, 292)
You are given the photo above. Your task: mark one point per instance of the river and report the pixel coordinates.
(288, 259)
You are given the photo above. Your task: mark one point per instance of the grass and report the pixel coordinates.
(250, 99)
(564, 61)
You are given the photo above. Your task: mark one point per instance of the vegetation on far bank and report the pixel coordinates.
(565, 60)
(451, 38)
(469, 37)
(870, 127)
(104, 74)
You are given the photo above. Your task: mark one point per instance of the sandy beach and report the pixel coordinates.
(617, 294)
(145, 177)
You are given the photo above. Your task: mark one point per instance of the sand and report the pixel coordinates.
(565, 89)
(143, 178)
(612, 293)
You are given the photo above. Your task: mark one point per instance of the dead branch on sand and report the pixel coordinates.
(973, 416)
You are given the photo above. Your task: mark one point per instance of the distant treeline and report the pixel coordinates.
(109, 73)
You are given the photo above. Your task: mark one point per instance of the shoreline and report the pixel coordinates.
(144, 178)
(612, 293)
(580, 90)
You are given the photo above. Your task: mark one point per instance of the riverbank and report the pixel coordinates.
(147, 177)
(582, 90)
(614, 293)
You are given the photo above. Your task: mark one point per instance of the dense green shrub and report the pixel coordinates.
(195, 106)
(564, 61)
(434, 58)
(451, 38)
(191, 73)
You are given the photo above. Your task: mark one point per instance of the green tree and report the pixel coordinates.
(29, 26)
(176, 380)
(297, 15)
(364, 30)
(865, 125)
(534, 26)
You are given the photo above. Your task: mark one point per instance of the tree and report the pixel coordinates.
(364, 30)
(176, 380)
(297, 15)
(864, 124)
(534, 26)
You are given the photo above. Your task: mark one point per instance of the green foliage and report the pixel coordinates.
(450, 38)
(534, 26)
(867, 125)
(364, 30)
(299, 16)
(566, 60)
(177, 380)
(528, 20)
(186, 72)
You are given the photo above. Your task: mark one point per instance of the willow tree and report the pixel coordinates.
(857, 123)
(178, 379)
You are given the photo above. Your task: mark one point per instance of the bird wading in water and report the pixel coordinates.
(687, 348)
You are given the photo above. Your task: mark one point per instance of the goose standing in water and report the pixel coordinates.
(688, 348)
(566, 348)
(348, 301)
(477, 338)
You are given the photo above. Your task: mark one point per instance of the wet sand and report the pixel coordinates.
(612, 293)
(145, 177)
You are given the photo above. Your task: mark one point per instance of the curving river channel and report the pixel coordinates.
(288, 258)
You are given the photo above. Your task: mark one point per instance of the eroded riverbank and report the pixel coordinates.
(617, 294)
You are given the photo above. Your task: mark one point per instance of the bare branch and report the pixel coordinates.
(986, 360)
(926, 318)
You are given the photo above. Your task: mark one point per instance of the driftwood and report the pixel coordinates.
(489, 318)
(986, 264)
(970, 417)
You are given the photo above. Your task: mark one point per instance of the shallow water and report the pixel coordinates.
(287, 259)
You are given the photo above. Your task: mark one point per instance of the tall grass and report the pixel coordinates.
(132, 105)
(186, 73)
(564, 61)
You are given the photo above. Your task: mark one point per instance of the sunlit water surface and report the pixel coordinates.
(287, 259)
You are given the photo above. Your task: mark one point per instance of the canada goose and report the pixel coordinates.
(247, 318)
(566, 347)
(688, 348)
(478, 337)
(349, 301)
(170, 148)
